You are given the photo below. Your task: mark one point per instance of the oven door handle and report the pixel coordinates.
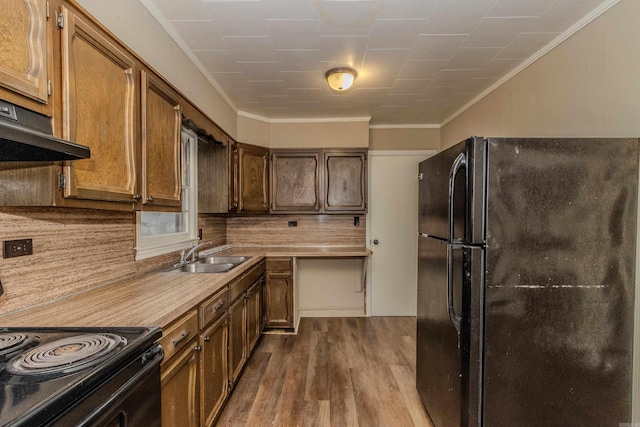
(151, 359)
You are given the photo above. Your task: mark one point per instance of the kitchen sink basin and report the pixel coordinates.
(198, 267)
(235, 260)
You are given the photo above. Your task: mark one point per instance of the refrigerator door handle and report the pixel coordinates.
(459, 163)
(452, 243)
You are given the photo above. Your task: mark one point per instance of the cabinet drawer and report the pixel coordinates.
(214, 307)
(279, 264)
(179, 334)
(240, 285)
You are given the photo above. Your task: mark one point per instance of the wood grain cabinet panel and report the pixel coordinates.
(213, 177)
(345, 176)
(253, 182)
(99, 87)
(214, 374)
(278, 293)
(24, 52)
(237, 338)
(161, 128)
(295, 181)
(254, 315)
(180, 393)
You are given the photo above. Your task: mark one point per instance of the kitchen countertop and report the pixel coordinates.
(155, 298)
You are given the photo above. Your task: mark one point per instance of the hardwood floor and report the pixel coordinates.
(335, 372)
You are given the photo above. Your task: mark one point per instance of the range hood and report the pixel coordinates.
(27, 136)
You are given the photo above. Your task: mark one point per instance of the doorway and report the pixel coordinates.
(392, 220)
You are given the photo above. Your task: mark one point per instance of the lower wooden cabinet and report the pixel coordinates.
(279, 293)
(180, 397)
(214, 386)
(237, 338)
(254, 314)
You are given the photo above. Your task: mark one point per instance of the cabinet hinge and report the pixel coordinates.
(49, 87)
(420, 176)
(48, 11)
(62, 181)
(59, 20)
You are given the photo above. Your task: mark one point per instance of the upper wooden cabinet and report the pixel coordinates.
(345, 180)
(252, 178)
(213, 176)
(295, 181)
(99, 110)
(25, 49)
(161, 127)
(322, 181)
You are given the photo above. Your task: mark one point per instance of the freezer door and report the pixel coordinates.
(560, 261)
(439, 358)
(457, 172)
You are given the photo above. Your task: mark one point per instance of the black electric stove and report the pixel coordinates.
(80, 376)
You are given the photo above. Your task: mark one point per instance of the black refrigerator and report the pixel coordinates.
(526, 281)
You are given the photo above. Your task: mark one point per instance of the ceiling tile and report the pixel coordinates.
(409, 9)
(251, 48)
(303, 79)
(520, 7)
(525, 45)
(217, 61)
(289, 9)
(230, 80)
(436, 46)
(421, 69)
(346, 17)
(406, 100)
(497, 32)
(299, 60)
(295, 34)
(343, 50)
(238, 18)
(457, 16)
(472, 58)
(384, 60)
(408, 87)
(265, 88)
(192, 10)
(453, 77)
(261, 70)
(395, 33)
(303, 94)
(199, 35)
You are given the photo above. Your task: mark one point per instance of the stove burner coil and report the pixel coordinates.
(12, 343)
(66, 355)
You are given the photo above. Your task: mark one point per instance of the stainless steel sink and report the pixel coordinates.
(198, 267)
(235, 260)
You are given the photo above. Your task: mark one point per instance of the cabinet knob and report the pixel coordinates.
(137, 197)
(150, 199)
(198, 348)
(207, 338)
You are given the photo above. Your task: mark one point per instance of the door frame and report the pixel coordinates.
(382, 153)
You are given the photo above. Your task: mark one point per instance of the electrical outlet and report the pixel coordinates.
(15, 248)
(292, 223)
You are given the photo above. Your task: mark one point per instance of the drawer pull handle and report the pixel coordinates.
(183, 336)
(218, 305)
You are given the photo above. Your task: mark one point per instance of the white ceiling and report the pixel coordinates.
(419, 61)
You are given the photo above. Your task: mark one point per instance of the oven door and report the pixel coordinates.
(130, 398)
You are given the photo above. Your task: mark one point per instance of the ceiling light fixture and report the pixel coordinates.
(341, 78)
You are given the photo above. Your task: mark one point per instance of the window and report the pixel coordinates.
(158, 233)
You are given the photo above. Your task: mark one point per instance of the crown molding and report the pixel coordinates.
(407, 126)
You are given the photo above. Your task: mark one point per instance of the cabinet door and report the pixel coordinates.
(214, 374)
(279, 300)
(295, 181)
(253, 185)
(161, 126)
(98, 111)
(24, 51)
(254, 315)
(213, 177)
(237, 338)
(345, 175)
(180, 403)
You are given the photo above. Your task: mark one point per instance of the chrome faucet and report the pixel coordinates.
(187, 253)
